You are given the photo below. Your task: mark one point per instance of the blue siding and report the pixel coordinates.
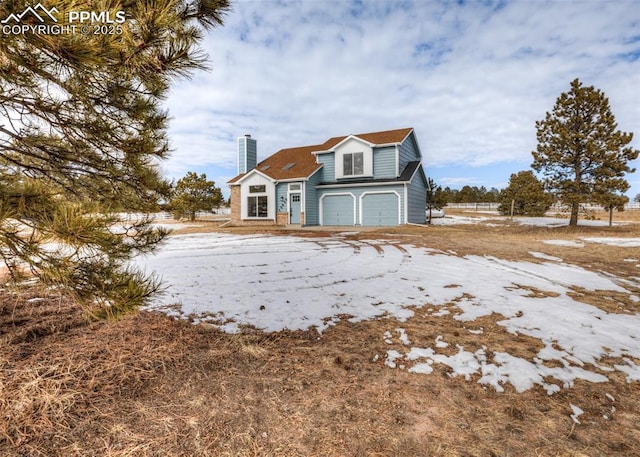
(417, 195)
(328, 171)
(281, 197)
(408, 152)
(247, 154)
(384, 163)
(312, 210)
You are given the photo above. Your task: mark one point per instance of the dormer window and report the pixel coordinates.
(353, 164)
(353, 159)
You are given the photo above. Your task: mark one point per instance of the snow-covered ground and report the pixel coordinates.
(284, 282)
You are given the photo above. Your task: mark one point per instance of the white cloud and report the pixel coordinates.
(471, 79)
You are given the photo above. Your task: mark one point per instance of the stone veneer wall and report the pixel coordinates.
(235, 205)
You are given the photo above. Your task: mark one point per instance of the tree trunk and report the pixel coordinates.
(573, 221)
(610, 216)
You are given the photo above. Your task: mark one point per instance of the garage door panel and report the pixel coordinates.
(337, 210)
(380, 209)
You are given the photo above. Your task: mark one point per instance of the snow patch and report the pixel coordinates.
(576, 412)
(543, 256)
(283, 282)
(615, 241)
(566, 243)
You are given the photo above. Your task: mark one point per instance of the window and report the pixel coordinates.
(257, 206)
(295, 197)
(294, 187)
(257, 189)
(353, 164)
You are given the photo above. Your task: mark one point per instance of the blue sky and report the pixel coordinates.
(471, 77)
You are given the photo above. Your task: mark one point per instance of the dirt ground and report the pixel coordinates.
(149, 385)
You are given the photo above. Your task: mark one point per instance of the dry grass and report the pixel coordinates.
(148, 385)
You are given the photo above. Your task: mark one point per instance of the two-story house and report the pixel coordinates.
(370, 179)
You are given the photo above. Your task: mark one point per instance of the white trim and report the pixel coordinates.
(249, 173)
(365, 184)
(321, 202)
(303, 200)
(364, 194)
(413, 175)
(397, 160)
(406, 203)
(290, 180)
(258, 178)
(353, 137)
(415, 139)
(352, 146)
(289, 194)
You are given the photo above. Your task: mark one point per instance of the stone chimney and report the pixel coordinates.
(247, 154)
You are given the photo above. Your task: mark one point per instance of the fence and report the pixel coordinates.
(164, 215)
(556, 206)
(475, 206)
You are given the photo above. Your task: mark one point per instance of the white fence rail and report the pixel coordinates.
(164, 215)
(476, 206)
(556, 207)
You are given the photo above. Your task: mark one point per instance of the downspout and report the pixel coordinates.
(406, 203)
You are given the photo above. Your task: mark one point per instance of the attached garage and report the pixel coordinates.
(380, 209)
(337, 209)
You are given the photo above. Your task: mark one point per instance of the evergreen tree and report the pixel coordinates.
(612, 201)
(194, 193)
(525, 193)
(580, 151)
(436, 198)
(467, 195)
(81, 131)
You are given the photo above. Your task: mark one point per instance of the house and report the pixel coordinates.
(370, 179)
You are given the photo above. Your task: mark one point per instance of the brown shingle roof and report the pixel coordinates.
(300, 162)
(280, 163)
(386, 137)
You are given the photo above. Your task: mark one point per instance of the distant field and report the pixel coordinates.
(151, 385)
(599, 214)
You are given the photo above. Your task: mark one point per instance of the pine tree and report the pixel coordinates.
(436, 198)
(81, 132)
(526, 195)
(580, 151)
(194, 193)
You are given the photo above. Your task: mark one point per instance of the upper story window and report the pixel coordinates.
(353, 164)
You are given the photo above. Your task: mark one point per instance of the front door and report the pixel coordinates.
(294, 208)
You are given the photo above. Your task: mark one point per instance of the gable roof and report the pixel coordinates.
(377, 138)
(300, 162)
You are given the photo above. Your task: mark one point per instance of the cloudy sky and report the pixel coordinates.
(471, 77)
